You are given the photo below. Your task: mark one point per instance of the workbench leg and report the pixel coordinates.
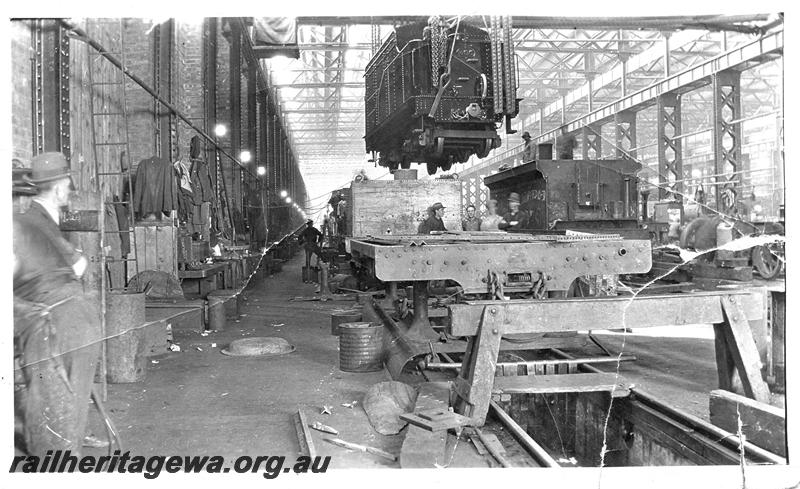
(420, 328)
(476, 379)
(742, 349)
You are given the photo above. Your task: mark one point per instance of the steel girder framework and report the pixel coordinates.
(728, 72)
(567, 68)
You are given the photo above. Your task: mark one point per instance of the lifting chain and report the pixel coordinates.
(438, 46)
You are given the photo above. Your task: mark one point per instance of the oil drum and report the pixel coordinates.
(360, 347)
(341, 317)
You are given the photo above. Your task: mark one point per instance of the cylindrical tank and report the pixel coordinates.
(360, 347)
(341, 317)
(216, 312)
(724, 233)
(126, 348)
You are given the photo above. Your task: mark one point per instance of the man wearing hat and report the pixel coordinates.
(529, 150)
(434, 221)
(56, 323)
(514, 219)
(310, 238)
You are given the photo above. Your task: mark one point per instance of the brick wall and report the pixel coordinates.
(21, 113)
(139, 60)
(189, 80)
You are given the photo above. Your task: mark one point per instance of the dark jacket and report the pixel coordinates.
(521, 217)
(473, 224)
(310, 236)
(65, 340)
(156, 189)
(432, 223)
(56, 251)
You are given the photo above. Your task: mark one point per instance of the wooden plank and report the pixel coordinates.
(550, 384)
(530, 316)
(304, 434)
(410, 200)
(479, 367)
(422, 448)
(763, 425)
(204, 272)
(743, 349)
(667, 428)
(739, 274)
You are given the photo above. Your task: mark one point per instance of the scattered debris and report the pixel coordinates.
(362, 448)
(326, 409)
(204, 333)
(213, 345)
(174, 347)
(570, 460)
(278, 325)
(350, 405)
(154, 361)
(224, 394)
(384, 402)
(198, 348)
(324, 428)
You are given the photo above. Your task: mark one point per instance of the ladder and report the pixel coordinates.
(108, 106)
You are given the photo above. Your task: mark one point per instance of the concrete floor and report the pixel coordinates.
(201, 402)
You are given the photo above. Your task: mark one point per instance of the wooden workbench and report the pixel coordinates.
(204, 280)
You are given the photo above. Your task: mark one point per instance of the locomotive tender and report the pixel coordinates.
(435, 93)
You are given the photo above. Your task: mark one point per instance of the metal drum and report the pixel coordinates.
(360, 347)
(222, 305)
(126, 347)
(340, 317)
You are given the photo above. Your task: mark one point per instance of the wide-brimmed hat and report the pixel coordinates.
(526, 135)
(436, 206)
(513, 197)
(47, 167)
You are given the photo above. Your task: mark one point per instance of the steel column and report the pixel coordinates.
(166, 130)
(670, 158)
(235, 81)
(727, 105)
(251, 109)
(50, 88)
(210, 96)
(591, 143)
(625, 134)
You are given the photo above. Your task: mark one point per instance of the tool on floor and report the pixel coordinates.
(493, 445)
(326, 409)
(436, 419)
(324, 428)
(303, 434)
(481, 449)
(362, 448)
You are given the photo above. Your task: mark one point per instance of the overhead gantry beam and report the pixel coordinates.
(758, 51)
(737, 23)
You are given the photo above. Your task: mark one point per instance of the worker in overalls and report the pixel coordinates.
(56, 322)
(310, 238)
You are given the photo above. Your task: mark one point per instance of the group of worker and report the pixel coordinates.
(513, 220)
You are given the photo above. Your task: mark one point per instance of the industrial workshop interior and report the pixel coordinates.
(299, 244)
